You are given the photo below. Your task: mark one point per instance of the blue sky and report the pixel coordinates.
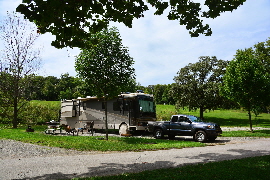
(161, 47)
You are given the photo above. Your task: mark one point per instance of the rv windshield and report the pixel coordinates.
(146, 106)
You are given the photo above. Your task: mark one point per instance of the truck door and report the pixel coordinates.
(174, 125)
(184, 126)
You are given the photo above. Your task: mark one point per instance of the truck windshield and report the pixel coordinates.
(195, 119)
(146, 106)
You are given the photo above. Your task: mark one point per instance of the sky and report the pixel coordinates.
(160, 48)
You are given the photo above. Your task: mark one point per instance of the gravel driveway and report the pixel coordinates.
(27, 161)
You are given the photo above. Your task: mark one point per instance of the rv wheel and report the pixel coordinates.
(123, 130)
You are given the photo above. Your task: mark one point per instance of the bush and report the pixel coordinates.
(36, 112)
(39, 112)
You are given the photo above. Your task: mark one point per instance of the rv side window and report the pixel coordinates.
(84, 106)
(126, 105)
(74, 111)
(116, 106)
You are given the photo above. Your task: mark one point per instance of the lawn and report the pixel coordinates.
(233, 118)
(92, 143)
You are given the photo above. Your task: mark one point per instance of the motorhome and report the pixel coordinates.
(127, 112)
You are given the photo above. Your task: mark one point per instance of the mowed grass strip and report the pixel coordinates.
(253, 168)
(94, 143)
(256, 133)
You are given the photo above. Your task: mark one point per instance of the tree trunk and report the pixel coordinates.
(106, 120)
(250, 121)
(201, 112)
(15, 113)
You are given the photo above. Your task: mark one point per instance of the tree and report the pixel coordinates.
(74, 22)
(106, 67)
(68, 87)
(197, 85)
(167, 96)
(247, 79)
(158, 93)
(36, 87)
(20, 59)
(50, 90)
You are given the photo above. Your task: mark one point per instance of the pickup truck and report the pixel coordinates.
(185, 125)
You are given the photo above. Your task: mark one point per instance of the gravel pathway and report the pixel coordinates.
(10, 149)
(88, 165)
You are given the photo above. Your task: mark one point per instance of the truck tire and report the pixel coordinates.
(158, 134)
(123, 130)
(200, 136)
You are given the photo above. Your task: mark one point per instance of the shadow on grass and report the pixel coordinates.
(263, 131)
(107, 167)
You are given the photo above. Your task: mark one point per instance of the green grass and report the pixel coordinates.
(93, 143)
(47, 103)
(254, 168)
(256, 133)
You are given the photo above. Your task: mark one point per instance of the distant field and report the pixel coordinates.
(47, 103)
(222, 117)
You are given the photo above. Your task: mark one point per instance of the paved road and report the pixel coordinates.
(65, 167)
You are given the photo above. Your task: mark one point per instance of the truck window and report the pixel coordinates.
(183, 119)
(174, 118)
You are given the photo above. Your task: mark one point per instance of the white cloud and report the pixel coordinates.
(56, 61)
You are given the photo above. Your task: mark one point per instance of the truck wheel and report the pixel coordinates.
(123, 129)
(200, 136)
(158, 134)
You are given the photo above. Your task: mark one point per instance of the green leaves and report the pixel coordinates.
(247, 78)
(218, 6)
(73, 22)
(197, 85)
(106, 66)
